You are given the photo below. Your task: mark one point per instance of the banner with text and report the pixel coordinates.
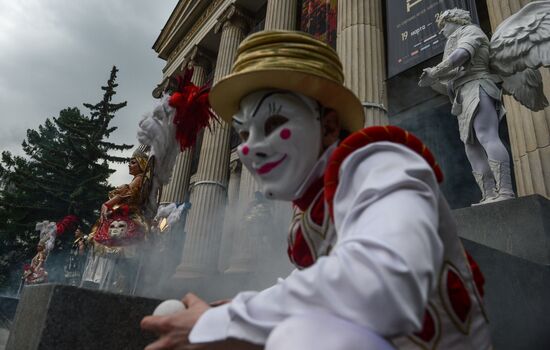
(412, 32)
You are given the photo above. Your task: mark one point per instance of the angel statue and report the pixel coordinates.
(474, 73)
(113, 261)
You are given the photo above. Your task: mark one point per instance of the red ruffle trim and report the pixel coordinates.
(365, 137)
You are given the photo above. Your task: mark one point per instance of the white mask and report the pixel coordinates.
(281, 133)
(118, 229)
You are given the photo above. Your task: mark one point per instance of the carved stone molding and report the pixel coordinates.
(236, 16)
(207, 14)
(198, 56)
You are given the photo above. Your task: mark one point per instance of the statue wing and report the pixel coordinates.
(519, 46)
(526, 87)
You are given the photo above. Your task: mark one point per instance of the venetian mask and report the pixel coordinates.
(281, 139)
(118, 229)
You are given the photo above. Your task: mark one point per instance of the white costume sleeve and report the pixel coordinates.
(382, 268)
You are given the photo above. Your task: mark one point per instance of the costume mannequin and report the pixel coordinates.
(35, 273)
(378, 262)
(113, 260)
(75, 262)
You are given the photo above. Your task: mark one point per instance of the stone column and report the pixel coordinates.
(281, 14)
(208, 198)
(529, 131)
(176, 190)
(232, 212)
(360, 45)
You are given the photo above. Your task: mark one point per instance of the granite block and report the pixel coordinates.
(8, 305)
(60, 317)
(516, 298)
(520, 227)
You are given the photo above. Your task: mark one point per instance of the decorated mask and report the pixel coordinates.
(118, 229)
(281, 139)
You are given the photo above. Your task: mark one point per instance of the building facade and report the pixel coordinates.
(205, 34)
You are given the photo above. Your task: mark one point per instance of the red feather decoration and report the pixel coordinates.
(193, 111)
(68, 222)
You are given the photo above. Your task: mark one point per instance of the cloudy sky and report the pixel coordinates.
(58, 53)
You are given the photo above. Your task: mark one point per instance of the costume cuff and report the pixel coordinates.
(211, 326)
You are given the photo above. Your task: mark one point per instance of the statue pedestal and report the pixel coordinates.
(519, 227)
(516, 298)
(510, 240)
(51, 316)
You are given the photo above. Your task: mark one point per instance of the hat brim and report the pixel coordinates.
(226, 95)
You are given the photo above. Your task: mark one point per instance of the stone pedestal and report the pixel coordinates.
(55, 317)
(510, 241)
(516, 299)
(529, 131)
(520, 227)
(360, 45)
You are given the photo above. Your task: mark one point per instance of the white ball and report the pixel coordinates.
(168, 307)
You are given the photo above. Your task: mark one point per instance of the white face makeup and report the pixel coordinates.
(281, 139)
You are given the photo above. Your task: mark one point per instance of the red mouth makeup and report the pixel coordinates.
(266, 168)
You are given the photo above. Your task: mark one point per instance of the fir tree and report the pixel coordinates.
(65, 171)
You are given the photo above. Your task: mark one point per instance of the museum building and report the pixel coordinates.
(383, 46)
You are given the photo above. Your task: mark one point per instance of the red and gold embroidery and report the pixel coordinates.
(455, 297)
(429, 335)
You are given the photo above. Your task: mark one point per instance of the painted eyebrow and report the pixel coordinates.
(266, 96)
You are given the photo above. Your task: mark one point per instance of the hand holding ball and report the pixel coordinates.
(168, 307)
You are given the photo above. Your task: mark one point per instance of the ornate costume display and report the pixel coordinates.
(35, 272)
(76, 260)
(474, 73)
(170, 128)
(378, 260)
(114, 255)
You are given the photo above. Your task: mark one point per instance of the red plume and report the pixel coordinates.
(193, 111)
(68, 222)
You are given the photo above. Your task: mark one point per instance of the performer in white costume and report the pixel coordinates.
(378, 262)
(471, 73)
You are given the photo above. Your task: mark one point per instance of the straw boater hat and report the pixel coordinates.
(292, 61)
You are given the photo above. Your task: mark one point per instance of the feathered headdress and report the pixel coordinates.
(193, 111)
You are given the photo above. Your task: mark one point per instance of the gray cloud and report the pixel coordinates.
(57, 54)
